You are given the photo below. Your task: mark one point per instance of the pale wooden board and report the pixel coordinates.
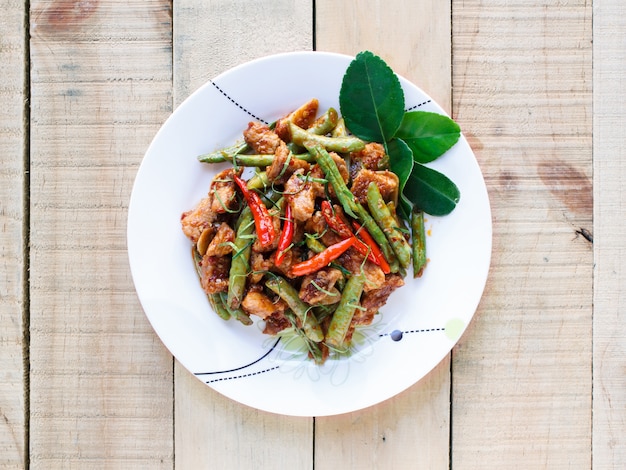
(213, 431)
(609, 173)
(12, 213)
(101, 381)
(410, 430)
(522, 372)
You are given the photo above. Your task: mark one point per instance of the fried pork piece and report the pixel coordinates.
(259, 304)
(386, 181)
(223, 192)
(221, 243)
(319, 288)
(371, 157)
(214, 272)
(276, 323)
(220, 199)
(353, 262)
(197, 220)
(374, 299)
(300, 194)
(292, 256)
(261, 138)
(302, 117)
(283, 166)
(317, 225)
(259, 266)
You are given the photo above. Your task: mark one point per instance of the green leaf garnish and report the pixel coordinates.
(431, 191)
(429, 135)
(371, 99)
(401, 163)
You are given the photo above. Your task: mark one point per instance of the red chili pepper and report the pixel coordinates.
(334, 221)
(341, 228)
(374, 249)
(286, 236)
(262, 219)
(322, 259)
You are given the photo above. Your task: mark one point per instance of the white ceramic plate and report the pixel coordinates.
(415, 330)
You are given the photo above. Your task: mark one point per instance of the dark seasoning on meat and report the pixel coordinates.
(312, 272)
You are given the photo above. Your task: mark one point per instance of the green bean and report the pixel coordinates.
(325, 123)
(252, 160)
(218, 306)
(225, 154)
(314, 244)
(344, 144)
(237, 313)
(340, 323)
(419, 242)
(387, 222)
(340, 129)
(241, 258)
(289, 294)
(329, 167)
(314, 347)
(258, 181)
(379, 237)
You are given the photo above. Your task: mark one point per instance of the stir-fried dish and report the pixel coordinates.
(301, 230)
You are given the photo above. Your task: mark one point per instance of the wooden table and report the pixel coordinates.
(537, 381)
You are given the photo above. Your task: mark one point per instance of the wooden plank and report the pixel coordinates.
(12, 215)
(410, 430)
(101, 381)
(522, 374)
(213, 431)
(609, 179)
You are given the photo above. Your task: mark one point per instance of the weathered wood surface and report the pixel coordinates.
(522, 374)
(13, 155)
(101, 383)
(609, 181)
(538, 379)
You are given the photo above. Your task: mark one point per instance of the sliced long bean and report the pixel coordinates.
(314, 347)
(225, 154)
(340, 322)
(340, 129)
(289, 294)
(258, 181)
(216, 303)
(419, 242)
(251, 160)
(237, 313)
(343, 144)
(314, 244)
(241, 258)
(329, 167)
(325, 123)
(387, 222)
(379, 237)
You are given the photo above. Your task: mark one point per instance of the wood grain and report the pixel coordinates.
(213, 431)
(101, 382)
(609, 180)
(410, 430)
(522, 373)
(13, 137)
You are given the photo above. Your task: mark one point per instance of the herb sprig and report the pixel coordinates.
(371, 101)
